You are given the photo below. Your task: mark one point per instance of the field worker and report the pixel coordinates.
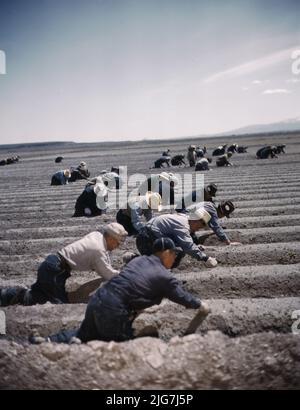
(202, 164)
(81, 172)
(225, 208)
(61, 177)
(83, 169)
(111, 180)
(58, 159)
(178, 160)
(241, 149)
(92, 201)
(219, 151)
(266, 152)
(166, 153)
(92, 252)
(233, 148)
(200, 152)
(164, 184)
(162, 161)
(179, 228)
(209, 194)
(280, 149)
(191, 155)
(143, 206)
(142, 283)
(223, 161)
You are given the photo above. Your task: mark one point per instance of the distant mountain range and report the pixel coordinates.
(290, 125)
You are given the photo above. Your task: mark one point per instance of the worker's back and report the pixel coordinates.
(143, 282)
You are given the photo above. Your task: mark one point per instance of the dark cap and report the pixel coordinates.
(212, 189)
(163, 244)
(226, 208)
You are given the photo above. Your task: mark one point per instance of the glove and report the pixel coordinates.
(211, 262)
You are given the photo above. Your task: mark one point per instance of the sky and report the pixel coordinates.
(99, 70)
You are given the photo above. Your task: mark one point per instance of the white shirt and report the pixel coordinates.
(90, 253)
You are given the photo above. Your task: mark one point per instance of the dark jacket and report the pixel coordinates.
(144, 282)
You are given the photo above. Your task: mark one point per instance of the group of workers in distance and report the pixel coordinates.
(10, 160)
(162, 240)
(197, 156)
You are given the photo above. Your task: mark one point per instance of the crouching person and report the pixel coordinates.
(181, 229)
(224, 209)
(223, 161)
(92, 252)
(203, 164)
(143, 282)
(131, 217)
(92, 201)
(61, 177)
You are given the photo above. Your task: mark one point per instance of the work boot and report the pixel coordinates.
(38, 340)
(146, 331)
(12, 296)
(201, 314)
(75, 341)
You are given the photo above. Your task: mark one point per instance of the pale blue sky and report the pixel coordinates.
(92, 70)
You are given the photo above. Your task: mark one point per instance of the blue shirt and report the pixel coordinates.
(214, 223)
(61, 177)
(144, 282)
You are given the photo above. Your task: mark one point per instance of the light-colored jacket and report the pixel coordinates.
(176, 227)
(90, 253)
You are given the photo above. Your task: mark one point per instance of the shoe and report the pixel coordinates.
(12, 296)
(147, 331)
(38, 340)
(75, 341)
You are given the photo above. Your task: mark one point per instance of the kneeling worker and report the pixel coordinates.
(92, 252)
(142, 283)
(92, 201)
(61, 177)
(179, 228)
(131, 217)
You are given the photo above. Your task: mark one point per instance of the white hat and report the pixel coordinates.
(101, 195)
(200, 214)
(153, 200)
(169, 177)
(82, 164)
(116, 231)
(109, 176)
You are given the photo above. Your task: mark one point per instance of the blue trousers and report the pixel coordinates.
(49, 287)
(105, 319)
